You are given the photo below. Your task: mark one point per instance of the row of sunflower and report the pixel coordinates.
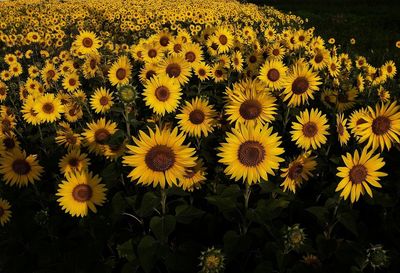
(176, 91)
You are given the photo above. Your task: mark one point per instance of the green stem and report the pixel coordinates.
(163, 200)
(127, 121)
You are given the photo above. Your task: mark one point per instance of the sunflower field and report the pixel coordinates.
(192, 136)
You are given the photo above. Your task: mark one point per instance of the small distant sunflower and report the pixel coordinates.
(162, 94)
(360, 172)
(251, 153)
(382, 126)
(5, 212)
(300, 85)
(197, 117)
(148, 71)
(98, 133)
(311, 129)
(9, 143)
(334, 66)
(345, 99)
(299, 170)
(223, 38)
(176, 68)
(120, 71)
(80, 192)
(159, 158)
(357, 117)
(202, 71)
(320, 59)
(87, 42)
(193, 177)
(74, 161)
(249, 106)
(237, 61)
(19, 169)
(192, 53)
(48, 108)
(389, 69)
(65, 136)
(101, 100)
(341, 128)
(3, 91)
(71, 82)
(273, 73)
(276, 52)
(383, 94)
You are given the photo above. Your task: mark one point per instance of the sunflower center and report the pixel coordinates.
(189, 173)
(152, 53)
(214, 46)
(300, 85)
(160, 158)
(21, 167)
(162, 93)
(173, 70)
(253, 59)
(343, 98)
(360, 121)
(2, 91)
(389, 69)
(71, 139)
(236, 61)
(177, 48)
(72, 82)
(87, 42)
(250, 109)
(295, 171)
(164, 41)
(82, 193)
(150, 74)
(310, 129)
(190, 57)
(92, 64)
(380, 125)
(219, 73)
(1, 212)
(101, 135)
(197, 116)
(104, 100)
(74, 162)
(358, 174)
(223, 39)
(121, 73)
(202, 72)
(318, 58)
(273, 75)
(48, 108)
(251, 153)
(340, 129)
(9, 143)
(275, 52)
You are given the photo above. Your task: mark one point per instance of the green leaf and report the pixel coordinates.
(321, 213)
(348, 221)
(163, 226)
(149, 202)
(186, 214)
(126, 250)
(147, 250)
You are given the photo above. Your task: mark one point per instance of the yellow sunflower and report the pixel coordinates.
(74, 161)
(120, 71)
(98, 133)
(389, 69)
(356, 119)
(345, 99)
(71, 82)
(9, 143)
(223, 38)
(5, 212)
(65, 136)
(176, 68)
(193, 177)
(310, 130)
(159, 158)
(28, 111)
(300, 84)
(101, 100)
(19, 169)
(3, 91)
(382, 126)
(273, 73)
(48, 108)
(237, 61)
(87, 42)
(341, 128)
(162, 94)
(202, 71)
(360, 172)
(192, 53)
(251, 153)
(197, 117)
(320, 59)
(249, 105)
(80, 192)
(299, 170)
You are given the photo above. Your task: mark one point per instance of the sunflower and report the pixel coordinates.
(276, 52)
(341, 128)
(65, 136)
(389, 69)
(148, 71)
(320, 59)
(176, 68)
(81, 191)
(159, 158)
(299, 170)
(87, 42)
(273, 73)
(300, 85)
(197, 118)
(218, 73)
(152, 52)
(383, 94)
(120, 71)
(98, 133)
(223, 38)
(251, 153)
(334, 66)
(3, 91)
(101, 100)
(345, 99)
(360, 172)
(19, 169)
(71, 82)
(73, 112)
(382, 126)
(194, 177)
(192, 53)
(48, 108)
(5, 212)
(250, 106)
(74, 161)
(310, 130)
(357, 118)
(237, 61)
(202, 71)
(162, 94)
(50, 73)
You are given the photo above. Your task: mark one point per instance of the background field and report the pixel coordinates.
(374, 24)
